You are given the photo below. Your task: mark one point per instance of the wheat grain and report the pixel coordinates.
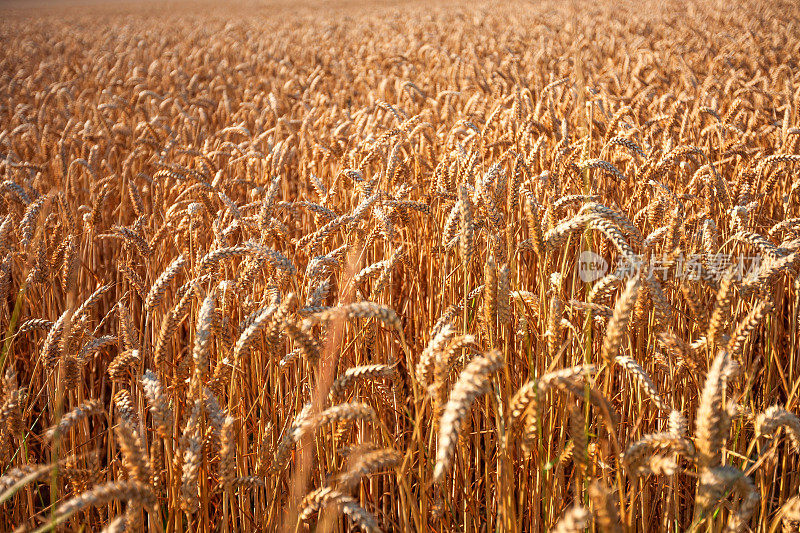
(471, 384)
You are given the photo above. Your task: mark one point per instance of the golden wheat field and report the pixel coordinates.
(405, 267)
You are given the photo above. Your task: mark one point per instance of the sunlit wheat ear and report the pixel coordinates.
(268, 202)
(639, 455)
(358, 374)
(284, 312)
(368, 272)
(17, 477)
(722, 307)
(365, 464)
(344, 412)
(19, 193)
(251, 333)
(88, 408)
(775, 417)
(363, 310)
(227, 453)
(530, 395)
(71, 371)
(6, 227)
(94, 346)
(747, 326)
(682, 351)
(424, 371)
(301, 425)
(490, 292)
(604, 508)
(767, 249)
(625, 225)
(159, 288)
(203, 333)
(718, 483)
(473, 382)
(133, 278)
(605, 166)
(215, 417)
(443, 366)
(123, 404)
(663, 309)
(318, 295)
(710, 238)
(618, 324)
(135, 457)
(643, 379)
(160, 408)
(770, 273)
(580, 440)
(123, 363)
(449, 233)
(42, 269)
(249, 482)
(211, 260)
(11, 409)
(574, 520)
(28, 222)
(170, 323)
(91, 301)
(70, 265)
(127, 491)
(192, 450)
(711, 426)
(307, 345)
(467, 234)
(34, 325)
(128, 335)
(789, 224)
(319, 499)
(677, 424)
(598, 311)
(555, 238)
(614, 235)
(601, 289)
(51, 349)
(504, 295)
(655, 236)
(790, 515)
(383, 280)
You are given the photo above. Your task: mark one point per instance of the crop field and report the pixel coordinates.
(402, 267)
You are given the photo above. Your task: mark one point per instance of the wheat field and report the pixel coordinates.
(407, 267)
